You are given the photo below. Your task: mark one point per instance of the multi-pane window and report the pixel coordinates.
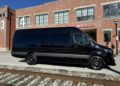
(84, 14)
(41, 19)
(61, 17)
(111, 10)
(107, 36)
(24, 21)
(3, 14)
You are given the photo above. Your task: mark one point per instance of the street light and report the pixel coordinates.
(116, 26)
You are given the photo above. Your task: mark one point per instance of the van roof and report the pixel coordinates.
(49, 28)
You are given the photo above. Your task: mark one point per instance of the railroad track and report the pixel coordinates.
(25, 78)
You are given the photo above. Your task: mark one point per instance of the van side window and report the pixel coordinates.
(60, 39)
(80, 39)
(42, 38)
(25, 35)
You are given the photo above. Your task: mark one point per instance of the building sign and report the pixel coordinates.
(2, 24)
(85, 25)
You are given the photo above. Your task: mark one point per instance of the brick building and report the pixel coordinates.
(96, 17)
(7, 27)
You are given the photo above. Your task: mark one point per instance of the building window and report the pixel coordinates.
(20, 22)
(84, 14)
(3, 14)
(24, 21)
(61, 17)
(41, 19)
(111, 10)
(107, 36)
(119, 35)
(0, 15)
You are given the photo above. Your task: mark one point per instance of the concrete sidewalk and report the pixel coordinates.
(7, 61)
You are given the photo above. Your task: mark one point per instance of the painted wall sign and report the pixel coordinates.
(86, 25)
(2, 24)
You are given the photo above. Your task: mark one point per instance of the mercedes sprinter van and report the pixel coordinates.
(61, 44)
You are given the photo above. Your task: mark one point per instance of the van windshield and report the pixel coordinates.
(81, 39)
(93, 41)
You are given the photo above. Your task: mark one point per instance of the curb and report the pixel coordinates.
(63, 72)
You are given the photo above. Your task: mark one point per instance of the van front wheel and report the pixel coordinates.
(96, 63)
(31, 59)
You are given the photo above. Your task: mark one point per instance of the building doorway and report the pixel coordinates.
(92, 33)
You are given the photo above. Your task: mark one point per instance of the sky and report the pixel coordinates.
(17, 4)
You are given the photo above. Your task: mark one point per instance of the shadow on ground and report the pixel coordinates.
(56, 63)
(113, 70)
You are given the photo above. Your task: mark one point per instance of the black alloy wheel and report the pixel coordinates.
(96, 63)
(31, 59)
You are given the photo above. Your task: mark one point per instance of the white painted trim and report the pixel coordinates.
(61, 10)
(107, 30)
(110, 2)
(3, 49)
(23, 16)
(92, 5)
(41, 13)
(118, 28)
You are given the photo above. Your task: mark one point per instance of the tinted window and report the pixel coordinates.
(80, 39)
(107, 36)
(60, 39)
(42, 38)
(23, 38)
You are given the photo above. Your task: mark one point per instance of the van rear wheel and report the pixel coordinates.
(96, 63)
(31, 59)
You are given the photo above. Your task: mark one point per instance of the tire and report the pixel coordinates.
(96, 63)
(31, 59)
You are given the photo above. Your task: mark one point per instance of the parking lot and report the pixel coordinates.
(7, 61)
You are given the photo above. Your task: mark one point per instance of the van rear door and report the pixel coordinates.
(60, 46)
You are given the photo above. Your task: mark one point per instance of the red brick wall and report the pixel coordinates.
(3, 31)
(5, 38)
(99, 22)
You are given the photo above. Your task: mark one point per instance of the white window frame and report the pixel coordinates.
(61, 13)
(41, 22)
(110, 34)
(23, 25)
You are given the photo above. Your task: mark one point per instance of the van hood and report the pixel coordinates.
(104, 48)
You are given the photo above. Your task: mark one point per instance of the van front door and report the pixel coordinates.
(82, 47)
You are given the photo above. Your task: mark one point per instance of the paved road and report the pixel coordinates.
(8, 60)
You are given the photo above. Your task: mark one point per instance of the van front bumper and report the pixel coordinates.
(111, 60)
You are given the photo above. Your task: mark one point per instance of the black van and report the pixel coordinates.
(61, 44)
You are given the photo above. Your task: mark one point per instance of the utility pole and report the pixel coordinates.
(116, 26)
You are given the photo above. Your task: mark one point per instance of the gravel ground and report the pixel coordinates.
(26, 78)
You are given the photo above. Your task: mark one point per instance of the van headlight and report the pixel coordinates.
(106, 50)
